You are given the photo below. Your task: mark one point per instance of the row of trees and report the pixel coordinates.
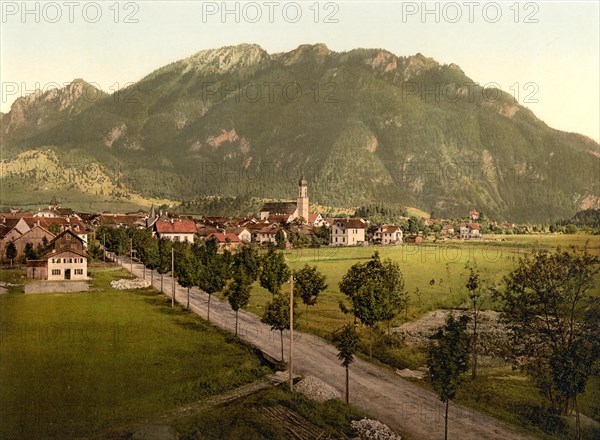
(202, 265)
(548, 310)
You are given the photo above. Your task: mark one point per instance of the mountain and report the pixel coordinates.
(364, 126)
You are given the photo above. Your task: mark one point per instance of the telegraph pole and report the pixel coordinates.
(173, 275)
(291, 332)
(131, 256)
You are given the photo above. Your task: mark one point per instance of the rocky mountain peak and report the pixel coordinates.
(226, 59)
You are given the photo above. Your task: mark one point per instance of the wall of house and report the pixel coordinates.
(346, 236)
(35, 236)
(178, 237)
(76, 263)
(245, 236)
(37, 273)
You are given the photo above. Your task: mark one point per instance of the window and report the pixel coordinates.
(64, 260)
(55, 271)
(176, 238)
(78, 271)
(68, 237)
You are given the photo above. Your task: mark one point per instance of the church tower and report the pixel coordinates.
(302, 204)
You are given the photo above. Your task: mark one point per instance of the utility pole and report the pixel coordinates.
(173, 275)
(104, 249)
(291, 332)
(131, 256)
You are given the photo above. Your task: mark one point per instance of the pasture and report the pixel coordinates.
(435, 274)
(75, 365)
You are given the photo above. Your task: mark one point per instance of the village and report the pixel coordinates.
(52, 242)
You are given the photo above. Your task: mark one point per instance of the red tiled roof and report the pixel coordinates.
(312, 217)
(176, 227)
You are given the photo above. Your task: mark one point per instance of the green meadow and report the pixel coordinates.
(75, 365)
(435, 274)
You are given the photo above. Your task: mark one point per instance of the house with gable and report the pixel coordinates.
(65, 258)
(388, 234)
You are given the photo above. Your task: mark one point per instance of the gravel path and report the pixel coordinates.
(415, 413)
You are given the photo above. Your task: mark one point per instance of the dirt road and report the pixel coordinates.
(413, 412)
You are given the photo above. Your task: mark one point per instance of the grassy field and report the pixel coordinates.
(437, 270)
(75, 364)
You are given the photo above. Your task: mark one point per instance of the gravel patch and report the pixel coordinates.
(316, 389)
(136, 283)
(368, 429)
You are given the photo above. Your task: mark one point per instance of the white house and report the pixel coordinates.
(175, 230)
(65, 259)
(388, 234)
(347, 232)
(244, 235)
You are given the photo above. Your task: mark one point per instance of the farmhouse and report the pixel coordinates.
(38, 236)
(347, 232)
(64, 259)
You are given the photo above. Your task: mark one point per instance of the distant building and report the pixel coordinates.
(413, 239)
(285, 212)
(228, 241)
(469, 231)
(474, 215)
(388, 234)
(243, 234)
(347, 232)
(268, 234)
(175, 230)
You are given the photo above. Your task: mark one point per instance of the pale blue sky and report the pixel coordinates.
(559, 53)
